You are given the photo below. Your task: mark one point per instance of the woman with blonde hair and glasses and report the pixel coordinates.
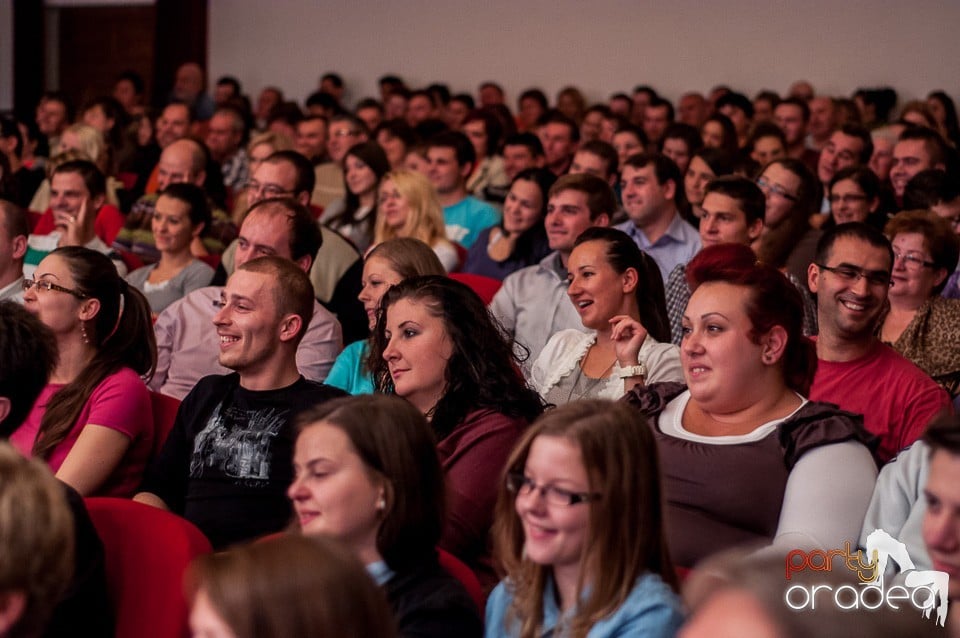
(579, 530)
(408, 207)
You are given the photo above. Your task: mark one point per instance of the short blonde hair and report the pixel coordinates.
(91, 144)
(425, 221)
(36, 538)
(277, 141)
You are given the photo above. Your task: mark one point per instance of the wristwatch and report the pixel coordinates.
(638, 370)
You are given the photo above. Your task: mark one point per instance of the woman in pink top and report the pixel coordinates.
(92, 423)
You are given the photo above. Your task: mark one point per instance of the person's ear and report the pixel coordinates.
(290, 327)
(5, 406)
(774, 345)
(89, 309)
(630, 279)
(669, 189)
(813, 278)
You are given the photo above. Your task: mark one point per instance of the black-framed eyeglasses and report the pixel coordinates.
(267, 190)
(851, 275)
(912, 262)
(43, 284)
(523, 486)
(775, 188)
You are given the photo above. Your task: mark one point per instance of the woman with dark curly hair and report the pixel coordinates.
(438, 347)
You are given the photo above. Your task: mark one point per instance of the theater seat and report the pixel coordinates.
(147, 553)
(458, 569)
(164, 414)
(485, 287)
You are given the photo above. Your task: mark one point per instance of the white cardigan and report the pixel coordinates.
(566, 348)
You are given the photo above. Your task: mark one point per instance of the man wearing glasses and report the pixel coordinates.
(851, 277)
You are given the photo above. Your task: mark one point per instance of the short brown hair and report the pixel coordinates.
(292, 292)
(601, 199)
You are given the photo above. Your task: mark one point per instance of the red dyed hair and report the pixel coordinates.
(773, 301)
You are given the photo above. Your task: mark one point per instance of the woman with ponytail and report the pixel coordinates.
(92, 423)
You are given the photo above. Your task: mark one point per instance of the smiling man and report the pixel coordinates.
(733, 209)
(532, 304)
(226, 464)
(187, 343)
(851, 277)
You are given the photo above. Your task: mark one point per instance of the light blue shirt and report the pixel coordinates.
(651, 610)
(349, 372)
(677, 246)
(466, 218)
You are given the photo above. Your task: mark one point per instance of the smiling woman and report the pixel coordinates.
(180, 216)
(437, 346)
(782, 469)
(579, 530)
(618, 292)
(520, 239)
(92, 423)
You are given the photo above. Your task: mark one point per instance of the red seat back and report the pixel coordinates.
(147, 553)
(459, 570)
(164, 414)
(485, 287)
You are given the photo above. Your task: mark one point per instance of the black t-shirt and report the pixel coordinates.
(227, 463)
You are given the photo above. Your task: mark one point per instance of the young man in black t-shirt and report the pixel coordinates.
(226, 465)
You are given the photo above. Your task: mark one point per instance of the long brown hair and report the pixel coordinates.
(625, 537)
(292, 587)
(121, 332)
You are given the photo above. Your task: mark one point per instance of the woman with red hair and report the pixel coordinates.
(746, 457)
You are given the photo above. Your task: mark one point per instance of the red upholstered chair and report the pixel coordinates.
(485, 287)
(130, 260)
(456, 568)
(147, 553)
(211, 260)
(164, 413)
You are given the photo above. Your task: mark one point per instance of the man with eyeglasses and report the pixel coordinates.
(851, 277)
(337, 267)
(345, 131)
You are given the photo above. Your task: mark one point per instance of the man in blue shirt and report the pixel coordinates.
(652, 198)
(451, 159)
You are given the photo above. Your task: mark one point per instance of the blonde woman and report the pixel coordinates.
(87, 143)
(409, 207)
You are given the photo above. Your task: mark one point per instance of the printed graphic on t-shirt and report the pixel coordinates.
(237, 442)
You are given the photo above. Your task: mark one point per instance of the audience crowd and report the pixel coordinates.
(445, 367)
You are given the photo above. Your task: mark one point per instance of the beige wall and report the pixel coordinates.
(601, 46)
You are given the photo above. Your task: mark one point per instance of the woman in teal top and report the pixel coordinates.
(387, 264)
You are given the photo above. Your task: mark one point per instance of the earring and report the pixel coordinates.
(381, 504)
(767, 358)
(83, 332)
